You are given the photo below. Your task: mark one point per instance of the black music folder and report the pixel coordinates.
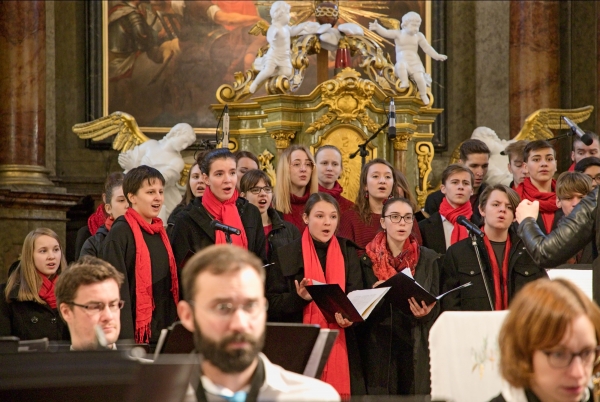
(356, 306)
(403, 287)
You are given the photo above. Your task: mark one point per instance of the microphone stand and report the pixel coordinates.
(227, 237)
(362, 148)
(485, 282)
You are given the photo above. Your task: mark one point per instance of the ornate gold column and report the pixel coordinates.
(534, 59)
(23, 93)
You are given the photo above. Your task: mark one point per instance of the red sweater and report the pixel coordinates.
(336, 192)
(295, 217)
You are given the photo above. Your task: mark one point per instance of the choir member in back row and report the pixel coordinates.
(138, 247)
(257, 189)
(329, 170)
(506, 263)
(321, 256)
(394, 345)
(192, 230)
(296, 181)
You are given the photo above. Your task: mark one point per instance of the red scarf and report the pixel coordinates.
(451, 214)
(500, 279)
(144, 301)
(96, 219)
(385, 265)
(226, 213)
(46, 292)
(337, 369)
(109, 222)
(547, 200)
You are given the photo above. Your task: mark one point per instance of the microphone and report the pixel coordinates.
(469, 225)
(226, 127)
(586, 139)
(216, 225)
(392, 126)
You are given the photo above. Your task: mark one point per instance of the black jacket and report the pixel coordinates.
(434, 200)
(383, 331)
(29, 320)
(192, 232)
(572, 233)
(286, 306)
(432, 233)
(282, 232)
(93, 243)
(460, 267)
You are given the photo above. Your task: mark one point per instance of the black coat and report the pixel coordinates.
(286, 306)
(192, 232)
(119, 249)
(460, 267)
(93, 244)
(282, 232)
(29, 320)
(432, 233)
(387, 329)
(434, 200)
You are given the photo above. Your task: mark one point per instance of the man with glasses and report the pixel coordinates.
(591, 167)
(88, 298)
(226, 309)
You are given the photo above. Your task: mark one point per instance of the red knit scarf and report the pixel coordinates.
(547, 200)
(96, 219)
(46, 292)
(500, 278)
(144, 301)
(226, 213)
(451, 214)
(337, 369)
(385, 265)
(109, 222)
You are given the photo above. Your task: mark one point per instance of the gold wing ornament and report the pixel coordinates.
(260, 28)
(538, 124)
(128, 133)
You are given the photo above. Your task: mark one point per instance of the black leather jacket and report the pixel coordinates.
(571, 235)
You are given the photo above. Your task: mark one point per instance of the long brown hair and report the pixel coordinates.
(283, 180)
(26, 276)
(362, 202)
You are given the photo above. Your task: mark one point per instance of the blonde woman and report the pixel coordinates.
(296, 181)
(28, 304)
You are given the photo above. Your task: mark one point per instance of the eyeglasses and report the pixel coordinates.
(298, 165)
(257, 190)
(562, 359)
(595, 178)
(98, 307)
(397, 218)
(227, 310)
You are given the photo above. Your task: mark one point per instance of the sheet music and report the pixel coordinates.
(364, 300)
(583, 278)
(406, 271)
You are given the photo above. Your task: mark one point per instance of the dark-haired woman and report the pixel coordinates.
(27, 302)
(329, 170)
(395, 347)
(296, 181)
(321, 256)
(194, 189)
(245, 161)
(377, 185)
(256, 188)
(192, 230)
(137, 246)
(115, 206)
(507, 265)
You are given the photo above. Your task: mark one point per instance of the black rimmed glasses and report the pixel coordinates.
(562, 359)
(98, 307)
(257, 190)
(397, 218)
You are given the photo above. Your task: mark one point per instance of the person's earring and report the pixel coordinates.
(367, 195)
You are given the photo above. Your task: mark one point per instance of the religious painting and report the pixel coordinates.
(162, 61)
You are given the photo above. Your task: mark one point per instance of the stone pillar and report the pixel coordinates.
(23, 93)
(534, 59)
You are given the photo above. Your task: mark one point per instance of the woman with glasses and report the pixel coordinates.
(27, 302)
(296, 181)
(319, 256)
(193, 228)
(507, 265)
(549, 344)
(377, 184)
(257, 189)
(394, 346)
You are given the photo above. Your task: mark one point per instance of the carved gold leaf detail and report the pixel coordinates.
(425, 152)
(265, 159)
